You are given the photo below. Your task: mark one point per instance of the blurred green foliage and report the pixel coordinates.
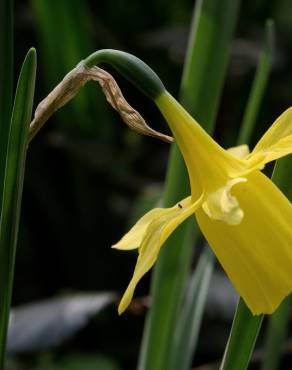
(80, 361)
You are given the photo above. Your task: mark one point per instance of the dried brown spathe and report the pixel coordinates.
(70, 86)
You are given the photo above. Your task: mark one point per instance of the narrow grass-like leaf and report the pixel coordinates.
(258, 86)
(61, 48)
(62, 30)
(65, 39)
(13, 181)
(190, 320)
(200, 92)
(6, 76)
(245, 327)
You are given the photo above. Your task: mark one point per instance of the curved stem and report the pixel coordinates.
(131, 67)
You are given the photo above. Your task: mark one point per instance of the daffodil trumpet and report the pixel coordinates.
(245, 218)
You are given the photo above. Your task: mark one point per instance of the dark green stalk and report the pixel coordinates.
(245, 327)
(13, 181)
(132, 68)
(202, 34)
(6, 76)
(201, 89)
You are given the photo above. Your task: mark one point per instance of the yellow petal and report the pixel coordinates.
(134, 237)
(276, 142)
(257, 253)
(164, 222)
(221, 205)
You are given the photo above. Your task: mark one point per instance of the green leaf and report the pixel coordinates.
(60, 21)
(13, 182)
(6, 76)
(259, 85)
(245, 327)
(200, 93)
(65, 40)
(190, 319)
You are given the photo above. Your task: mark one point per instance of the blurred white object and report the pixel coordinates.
(40, 325)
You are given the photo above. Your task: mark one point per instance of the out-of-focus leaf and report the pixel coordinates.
(65, 40)
(259, 84)
(41, 325)
(191, 316)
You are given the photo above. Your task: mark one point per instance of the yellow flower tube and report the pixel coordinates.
(244, 217)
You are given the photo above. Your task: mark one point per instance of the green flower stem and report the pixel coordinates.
(13, 181)
(200, 92)
(245, 327)
(6, 79)
(132, 68)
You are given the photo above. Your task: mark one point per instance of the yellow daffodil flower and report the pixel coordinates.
(245, 218)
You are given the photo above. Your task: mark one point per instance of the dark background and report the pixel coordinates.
(88, 177)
